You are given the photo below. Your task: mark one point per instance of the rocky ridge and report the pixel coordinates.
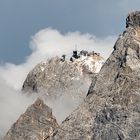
(57, 76)
(37, 123)
(111, 110)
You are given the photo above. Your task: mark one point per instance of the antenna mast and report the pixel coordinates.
(75, 47)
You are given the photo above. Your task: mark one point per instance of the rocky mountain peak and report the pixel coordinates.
(133, 19)
(39, 103)
(37, 123)
(60, 76)
(39, 106)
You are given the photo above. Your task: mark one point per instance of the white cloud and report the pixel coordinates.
(12, 104)
(44, 44)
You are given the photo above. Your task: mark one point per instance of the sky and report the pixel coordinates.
(32, 31)
(21, 19)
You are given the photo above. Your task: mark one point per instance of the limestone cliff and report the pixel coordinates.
(56, 77)
(111, 110)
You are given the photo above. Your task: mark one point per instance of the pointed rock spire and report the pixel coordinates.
(36, 123)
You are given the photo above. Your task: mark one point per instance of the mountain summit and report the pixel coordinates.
(36, 123)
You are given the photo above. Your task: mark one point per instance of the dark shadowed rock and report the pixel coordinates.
(36, 123)
(111, 110)
(133, 19)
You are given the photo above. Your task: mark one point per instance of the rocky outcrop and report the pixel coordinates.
(56, 77)
(111, 110)
(37, 123)
(133, 20)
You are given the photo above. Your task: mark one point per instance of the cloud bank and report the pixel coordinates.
(12, 104)
(44, 44)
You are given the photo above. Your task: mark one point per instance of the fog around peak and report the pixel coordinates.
(44, 44)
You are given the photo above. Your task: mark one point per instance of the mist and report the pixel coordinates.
(12, 104)
(44, 44)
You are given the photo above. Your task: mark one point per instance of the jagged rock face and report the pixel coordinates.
(133, 19)
(111, 110)
(37, 123)
(90, 64)
(55, 77)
